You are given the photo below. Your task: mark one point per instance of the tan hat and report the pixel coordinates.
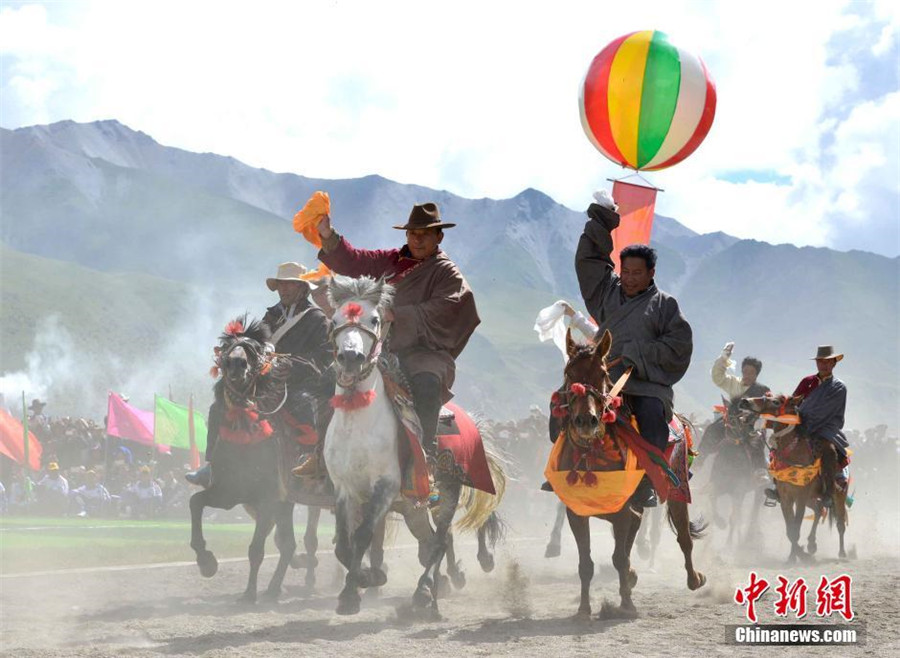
(827, 352)
(52, 466)
(290, 272)
(424, 215)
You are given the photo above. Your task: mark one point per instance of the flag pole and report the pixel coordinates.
(26, 444)
(195, 455)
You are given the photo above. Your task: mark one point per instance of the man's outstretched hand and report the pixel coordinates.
(324, 227)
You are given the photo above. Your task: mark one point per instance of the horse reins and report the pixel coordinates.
(371, 357)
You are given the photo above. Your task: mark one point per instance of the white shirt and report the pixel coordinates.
(729, 383)
(57, 485)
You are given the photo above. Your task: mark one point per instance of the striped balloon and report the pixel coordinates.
(646, 104)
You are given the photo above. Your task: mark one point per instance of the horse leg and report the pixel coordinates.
(426, 589)
(485, 556)
(656, 518)
(311, 544)
(286, 544)
(625, 526)
(376, 556)
(265, 521)
(373, 511)
(554, 546)
(840, 516)
(416, 519)
(678, 513)
(792, 508)
(581, 530)
(454, 567)
(811, 546)
(205, 559)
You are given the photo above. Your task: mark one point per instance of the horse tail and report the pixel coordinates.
(480, 506)
(696, 528)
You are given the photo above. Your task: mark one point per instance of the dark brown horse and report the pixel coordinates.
(799, 485)
(585, 431)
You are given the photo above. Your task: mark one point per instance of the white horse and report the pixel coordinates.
(361, 444)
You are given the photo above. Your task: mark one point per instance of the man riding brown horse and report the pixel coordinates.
(433, 315)
(821, 402)
(651, 335)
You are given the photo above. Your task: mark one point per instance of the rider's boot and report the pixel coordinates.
(311, 466)
(644, 496)
(202, 477)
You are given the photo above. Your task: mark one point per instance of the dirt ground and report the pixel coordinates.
(525, 607)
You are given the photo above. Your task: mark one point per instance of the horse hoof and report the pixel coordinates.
(271, 595)
(348, 605)
(379, 577)
(208, 564)
(698, 582)
(553, 550)
(422, 597)
(582, 616)
(486, 562)
(458, 579)
(811, 548)
(247, 598)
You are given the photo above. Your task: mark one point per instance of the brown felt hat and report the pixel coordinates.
(424, 215)
(827, 352)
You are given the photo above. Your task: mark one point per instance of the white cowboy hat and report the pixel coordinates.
(290, 272)
(827, 352)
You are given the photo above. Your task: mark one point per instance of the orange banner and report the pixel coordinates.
(636, 203)
(12, 444)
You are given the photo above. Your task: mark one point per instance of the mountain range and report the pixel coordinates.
(121, 259)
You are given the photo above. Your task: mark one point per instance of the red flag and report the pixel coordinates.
(195, 454)
(636, 203)
(12, 443)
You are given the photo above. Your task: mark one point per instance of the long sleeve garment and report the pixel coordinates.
(729, 383)
(434, 308)
(822, 413)
(649, 332)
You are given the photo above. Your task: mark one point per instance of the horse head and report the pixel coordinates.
(359, 328)
(249, 368)
(586, 390)
(778, 410)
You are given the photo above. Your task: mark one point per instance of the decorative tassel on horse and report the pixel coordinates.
(353, 401)
(558, 408)
(245, 426)
(353, 312)
(234, 328)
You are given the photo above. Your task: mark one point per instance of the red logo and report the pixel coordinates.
(749, 595)
(834, 596)
(791, 598)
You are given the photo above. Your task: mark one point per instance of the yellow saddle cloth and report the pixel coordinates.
(798, 475)
(605, 496)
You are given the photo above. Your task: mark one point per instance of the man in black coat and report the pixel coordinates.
(298, 328)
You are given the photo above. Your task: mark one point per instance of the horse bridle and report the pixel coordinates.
(608, 402)
(246, 394)
(371, 357)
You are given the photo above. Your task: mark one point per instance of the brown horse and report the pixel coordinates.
(798, 451)
(587, 386)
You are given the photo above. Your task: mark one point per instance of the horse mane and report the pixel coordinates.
(254, 334)
(240, 328)
(375, 291)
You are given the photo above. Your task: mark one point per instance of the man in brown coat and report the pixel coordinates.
(434, 310)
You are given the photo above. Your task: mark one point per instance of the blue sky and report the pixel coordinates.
(481, 98)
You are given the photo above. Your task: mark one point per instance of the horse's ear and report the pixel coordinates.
(571, 345)
(603, 345)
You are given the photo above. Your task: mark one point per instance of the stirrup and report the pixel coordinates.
(310, 467)
(772, 498)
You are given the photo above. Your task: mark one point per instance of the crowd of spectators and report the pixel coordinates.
(85, 473)
(89, 474)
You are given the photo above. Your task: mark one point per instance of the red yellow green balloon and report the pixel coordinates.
(646, 104)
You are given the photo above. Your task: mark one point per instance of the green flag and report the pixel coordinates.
(171, 428)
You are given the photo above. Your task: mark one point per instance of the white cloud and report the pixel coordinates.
(477, 98)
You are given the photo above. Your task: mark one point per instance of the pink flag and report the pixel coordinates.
(127, 422)
(636, 204)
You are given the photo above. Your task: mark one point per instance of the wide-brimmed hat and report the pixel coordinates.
(424, 215)
(290, 272)
(52, 466)
(827, 352)
(37, 405)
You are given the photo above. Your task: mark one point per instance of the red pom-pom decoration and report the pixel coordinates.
(353, 312)
(589, 479)
(578, 389)
(616, 402)
(572, 478)
(214, 372)
(608, 417)
(234, 328)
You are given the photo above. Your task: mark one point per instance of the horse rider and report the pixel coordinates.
(650, 334)
(433, 314)
(822, 401)
(300, 329)
(736, 388)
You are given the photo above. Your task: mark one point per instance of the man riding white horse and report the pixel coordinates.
(433, 314)
(298, 329)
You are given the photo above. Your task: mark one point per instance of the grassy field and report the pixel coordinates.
(43, 544)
